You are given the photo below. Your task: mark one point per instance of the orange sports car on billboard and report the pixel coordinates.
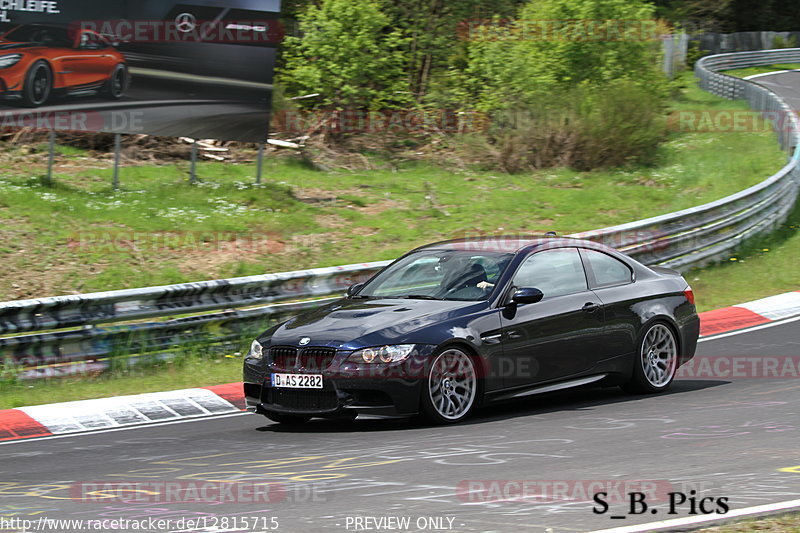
(38, 61)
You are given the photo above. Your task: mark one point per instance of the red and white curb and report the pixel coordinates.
(160, 407)
(750, 314)
(121, 411)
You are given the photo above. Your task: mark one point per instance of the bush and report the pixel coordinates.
(779, 42)
(584, 128)
(348, 54)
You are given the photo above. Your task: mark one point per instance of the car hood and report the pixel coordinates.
(5, 46)
(353, 324)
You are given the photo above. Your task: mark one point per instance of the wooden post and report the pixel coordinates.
(193, 167)
(259, 163)
(51, 158)
(117, 150)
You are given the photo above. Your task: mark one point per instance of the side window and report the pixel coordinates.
(607, 270)
(92, 41)
(554, 272)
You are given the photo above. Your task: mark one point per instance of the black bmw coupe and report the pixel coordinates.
(453, 325)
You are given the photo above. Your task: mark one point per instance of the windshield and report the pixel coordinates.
(45, 35)
(439, 275)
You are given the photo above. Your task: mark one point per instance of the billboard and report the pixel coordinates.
(201, 68)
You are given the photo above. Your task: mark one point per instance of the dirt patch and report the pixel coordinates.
(380, 206)
(211, 258)
(330, 221)
(316, 196)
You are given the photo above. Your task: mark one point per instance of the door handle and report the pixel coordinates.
(590, 307)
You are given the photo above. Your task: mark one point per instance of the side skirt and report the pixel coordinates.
(550, 388)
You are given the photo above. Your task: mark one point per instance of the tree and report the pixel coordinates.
(435, 34)
(557, 44)
(349, 54)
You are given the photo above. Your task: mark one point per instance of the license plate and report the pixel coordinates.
(297, 381)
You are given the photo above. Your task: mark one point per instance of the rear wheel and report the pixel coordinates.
(38, 84)
(451, 387)
(117, 82)
(289, 420)
(656, 361)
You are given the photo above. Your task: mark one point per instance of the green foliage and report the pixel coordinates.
(349, 54)
(694, 53)
(542, 52)
(435, 45)
(780, 42)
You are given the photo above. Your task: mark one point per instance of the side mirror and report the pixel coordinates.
(352, 289)
(527, 295)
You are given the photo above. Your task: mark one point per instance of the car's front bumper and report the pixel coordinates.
(392, 390)
(396, 397)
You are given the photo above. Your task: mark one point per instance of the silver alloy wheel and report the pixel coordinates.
(659, 355)
(452, 384)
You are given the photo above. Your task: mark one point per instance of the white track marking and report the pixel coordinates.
(126, 428)
(132, 410)
(766, 74)
(775, 307)
(748, 330)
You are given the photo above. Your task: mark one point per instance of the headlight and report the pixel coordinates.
(256, 351)
(382, 354)
(9, 60)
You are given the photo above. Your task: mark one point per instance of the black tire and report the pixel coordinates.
(117, 83)
(656, 360)
(289, 420)
(445, 399)
(38, 86)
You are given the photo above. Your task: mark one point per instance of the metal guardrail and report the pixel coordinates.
(681, 240)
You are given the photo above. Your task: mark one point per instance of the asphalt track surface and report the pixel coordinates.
(786, 84)
(722, 438)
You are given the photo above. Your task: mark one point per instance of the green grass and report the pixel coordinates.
(80, 236)
(761, 269)
(763, 69)
(190, 372)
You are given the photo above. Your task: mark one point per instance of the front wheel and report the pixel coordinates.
(38, 85)
(451, 387)
(288, 420)
(656, 361)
